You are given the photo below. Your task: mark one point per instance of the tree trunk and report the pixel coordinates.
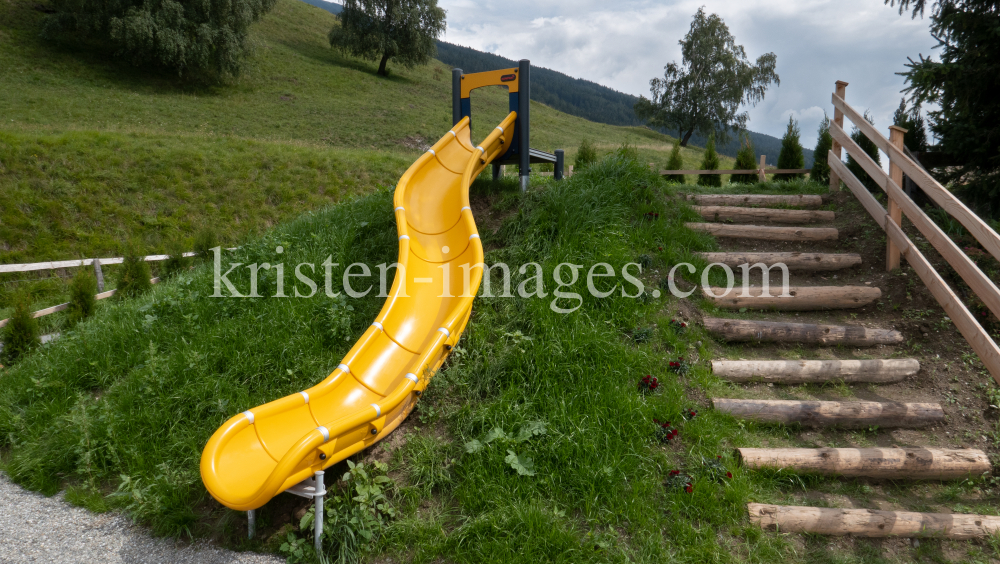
(684, 140)
(381, 66)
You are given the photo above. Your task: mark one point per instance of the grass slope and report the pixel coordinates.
(297, 91)
(162, 372)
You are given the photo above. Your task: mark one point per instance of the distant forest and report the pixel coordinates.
(583, 98)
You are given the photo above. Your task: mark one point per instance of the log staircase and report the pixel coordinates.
(910, 463)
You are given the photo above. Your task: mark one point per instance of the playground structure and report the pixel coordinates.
(285, 445)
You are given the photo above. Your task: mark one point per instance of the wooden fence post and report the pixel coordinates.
(895, 213)
(838, 118)
(99, 275)
(760, 171)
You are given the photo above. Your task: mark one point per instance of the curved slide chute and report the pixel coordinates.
(261, 452)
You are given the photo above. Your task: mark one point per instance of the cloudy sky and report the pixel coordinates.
(624, 43)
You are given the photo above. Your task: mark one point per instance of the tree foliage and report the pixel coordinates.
(821, 167)
(403, 31)
(746, 159)
(204, 39)
(964, 84)
(710, 161)
(706, 91)
(791, 152)
(915, 138)
(871, 149)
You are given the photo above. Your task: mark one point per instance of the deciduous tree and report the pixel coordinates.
(207, 39)
(403, 31)
(706, 91)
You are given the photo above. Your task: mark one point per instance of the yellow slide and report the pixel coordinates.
(262, 452)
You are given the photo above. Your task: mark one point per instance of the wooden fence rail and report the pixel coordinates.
(52, 265)
(65, 306)
(890, 220)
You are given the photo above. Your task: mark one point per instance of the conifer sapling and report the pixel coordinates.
(710, 161)
(791, 152)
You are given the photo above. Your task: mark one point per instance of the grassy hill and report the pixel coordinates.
(296, 131)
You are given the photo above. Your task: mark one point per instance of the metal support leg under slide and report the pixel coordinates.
(310, 488)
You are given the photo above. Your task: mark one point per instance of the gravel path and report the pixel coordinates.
(35, 528)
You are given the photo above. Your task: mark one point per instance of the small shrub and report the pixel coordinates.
(689, 414)
(680, 366)
(176, 261)
(791, 152)
(870, 149)
(679, 481)
(821, 168)
(678, 327)
(715, 470)
(20, 335)
(135, 275)
(746, 159)
(665, 433)
(82, 302)
(204, 242)
(675, 163)
(586, 155)
(710, 161)
(648, 384)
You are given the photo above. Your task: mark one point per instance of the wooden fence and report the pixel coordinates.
(96, 262)
(891, 221)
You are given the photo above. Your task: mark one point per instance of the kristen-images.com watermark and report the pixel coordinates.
(602, 280)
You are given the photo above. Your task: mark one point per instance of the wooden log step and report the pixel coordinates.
(815, 371)
(736, 330)
(794, 261)
(764, 233)
(884, 463)
(871, 523)
(847, 414)
(801, 200)
(799, 298)
(730, 213)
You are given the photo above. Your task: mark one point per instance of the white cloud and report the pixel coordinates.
(624, 44)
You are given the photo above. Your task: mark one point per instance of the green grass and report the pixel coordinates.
(159, 373)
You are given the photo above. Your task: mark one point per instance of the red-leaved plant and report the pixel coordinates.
(664, 432)
(678, 480)
(648, 384)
